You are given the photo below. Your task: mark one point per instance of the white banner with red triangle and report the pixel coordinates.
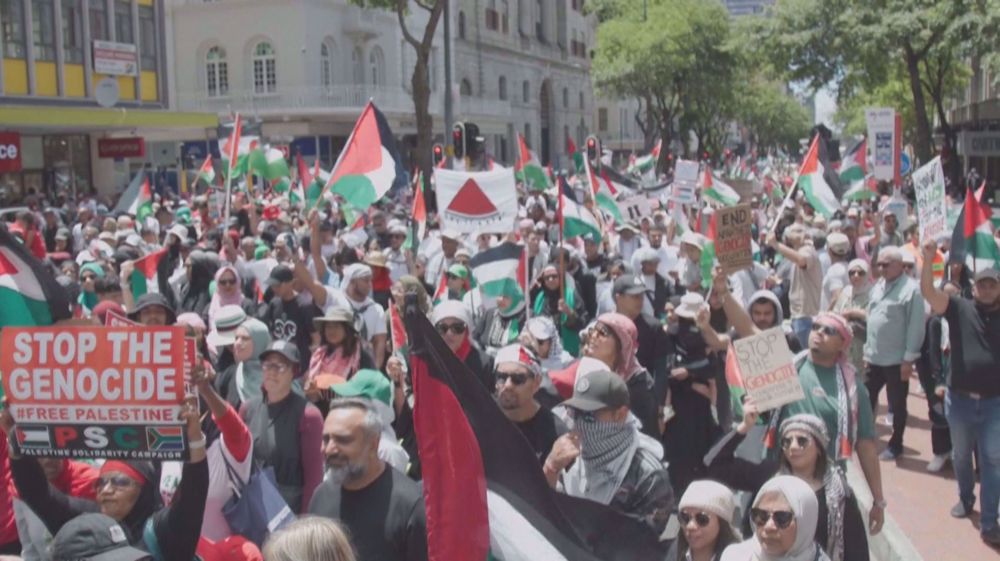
(476, 202)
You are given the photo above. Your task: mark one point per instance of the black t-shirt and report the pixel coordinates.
(386, 519)
(292, 321)
(542, 430)
(975, 347)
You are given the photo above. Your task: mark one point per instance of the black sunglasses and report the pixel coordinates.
(456, 328)
(116, 481)
(827, 330)
(586, 416)
(856, 273)
(700, 518)
(516, 379)
(802, 441)
(782, 518)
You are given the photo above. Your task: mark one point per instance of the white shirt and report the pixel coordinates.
(373, 316)
(836, 278)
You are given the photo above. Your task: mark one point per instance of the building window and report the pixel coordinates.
(98, 21)
(527, 133)
(216, 72)
(602, 119)
(72, 29)
(12, 19)
(358, 66)
(325, 65)
(502, 88)
(43, 29)
(581, 100)
(265, 75)
(123, 22)
(465, 89)
(526, 92)
(505, 17)
(461, 25)
(565, 98)
(147, 38)
(492, 16)
(539, 21)
(376, 65)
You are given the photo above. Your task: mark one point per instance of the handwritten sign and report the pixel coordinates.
(767, 370)
(932, 210)
(734, 239)
(96, 392)
(636, 208)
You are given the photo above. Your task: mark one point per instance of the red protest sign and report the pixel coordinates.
(733, 247)
(114, 319)
(97, 392)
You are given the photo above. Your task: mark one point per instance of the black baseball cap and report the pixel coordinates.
(284, 348)
(95, 537)
(598, 390)
(280, 274)
(629, 284)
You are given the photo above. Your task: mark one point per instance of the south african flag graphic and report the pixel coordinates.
(165, 439)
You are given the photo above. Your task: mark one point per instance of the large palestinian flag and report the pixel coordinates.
(853, 167)
(477, 202)
(603, 192)
(137, 199)
(714, 189)
(370, 164)
(484, 491)
(501, 271)
(29, 294)
(976, 242)
(528, 168)
(144, 277)
(574, 218)
(814, 186)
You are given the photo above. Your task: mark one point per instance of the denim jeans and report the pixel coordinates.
(975, 423)
(801, 327)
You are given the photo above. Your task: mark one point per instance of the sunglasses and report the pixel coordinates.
(602, 330)
(516, 379)
(456, 328)
(116, 481)
(700, 518)
(586, 416)
(801, 440)
(274, 366)
(227, 282)
(782, 518)
(856, 273)
(827, 330)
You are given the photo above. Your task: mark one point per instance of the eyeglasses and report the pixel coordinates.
(601, 329)
(116, 481)
(516, 379)
(456, 328)
(700, 518)
(801, 440)
(227, 282)
(827, 330)
(856, 273)
(782, 518)
(274, 366)
(580, 415)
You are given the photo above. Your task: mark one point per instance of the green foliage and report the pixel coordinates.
(775, 117)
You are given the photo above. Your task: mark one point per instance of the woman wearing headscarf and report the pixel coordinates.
(500, 326)
(337, 358)
(852, 303)
(613, 340)
(89, 273)
(784, 515)
(200, 269)
(451, 320)
(705, 514)
(804, 438)
(566, 308)
(127, 492)
(241, 382)
(228, 292)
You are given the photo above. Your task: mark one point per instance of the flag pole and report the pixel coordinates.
(791, 191)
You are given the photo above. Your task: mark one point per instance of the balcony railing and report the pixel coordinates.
(303, 99)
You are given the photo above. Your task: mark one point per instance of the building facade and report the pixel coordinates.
(83, 94)
(976, 117)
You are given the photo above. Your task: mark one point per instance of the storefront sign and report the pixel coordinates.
(134, 147)
(10, 152)
(119, 59)
(979, 143)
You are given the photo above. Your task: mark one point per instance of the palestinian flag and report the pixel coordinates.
(501, 271)
(485, 495)
(206, 172)
(816, 189)
(398, 332)
(441, 291)
(144, 277)
(603, 193)
(617, 179)
(574, 154)
(528, 168)
(862, 190)
(574, 218)
(314, 190)
(714, 189)
(236, 150)
(647, 163)
(418, 213)
(29, 293)
(853, 166)
(734, 379)
(137, 199)
(370, 164)
(269, 163)
(981, 250)
(708, 261)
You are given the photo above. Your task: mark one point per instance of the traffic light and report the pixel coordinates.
(458, 139)
(473, 142)
(438, 154)
(593, 150)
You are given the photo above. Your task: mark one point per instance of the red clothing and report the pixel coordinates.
(36, 245)
(381, 281)
(8, 528)
(77, 480)
(235, 434)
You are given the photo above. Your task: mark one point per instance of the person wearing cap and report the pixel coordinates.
(286, 428)
(382, 509)
(339, 355)
(356, 285)
(96, 537)
(153, 308)
(972, 397)
(566, 309)
(836, 278)
(377, 389)
(288, 318)
(126, 492)
(439, 261)
(893, 342)
(688, 274)
(61, 241)
(381, 280)
(594, 259)
(519, 376)
(457, 282)
(646, 262)
(500, 325)
(452, 321)
(628, 241)
(605, 458)
(807, 278)
(398, 259)
(630, 294)
(705, 513)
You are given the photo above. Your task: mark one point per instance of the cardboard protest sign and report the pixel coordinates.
(733, 241)
(685, 182)
(932, 212)
(636, 208)
(766, 368)
(96, 392)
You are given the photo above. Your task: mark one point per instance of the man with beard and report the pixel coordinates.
(381, 507)
(972, 397)
(519, 375)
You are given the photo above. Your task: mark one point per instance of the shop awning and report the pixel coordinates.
(90, 118)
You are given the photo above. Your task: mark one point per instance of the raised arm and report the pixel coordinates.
(935, 297)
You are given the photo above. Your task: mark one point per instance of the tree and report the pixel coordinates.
(776, 119)
(421, 41)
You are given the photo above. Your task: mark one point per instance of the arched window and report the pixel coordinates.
(465, 89)
(326, 64)
(376, 66)
(265, 73)
(216, 72)
(525, 92)
(502, 88)
(358, 66)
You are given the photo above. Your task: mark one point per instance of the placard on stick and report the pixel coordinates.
(733, 247)
(767, 369)
(96, 392)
